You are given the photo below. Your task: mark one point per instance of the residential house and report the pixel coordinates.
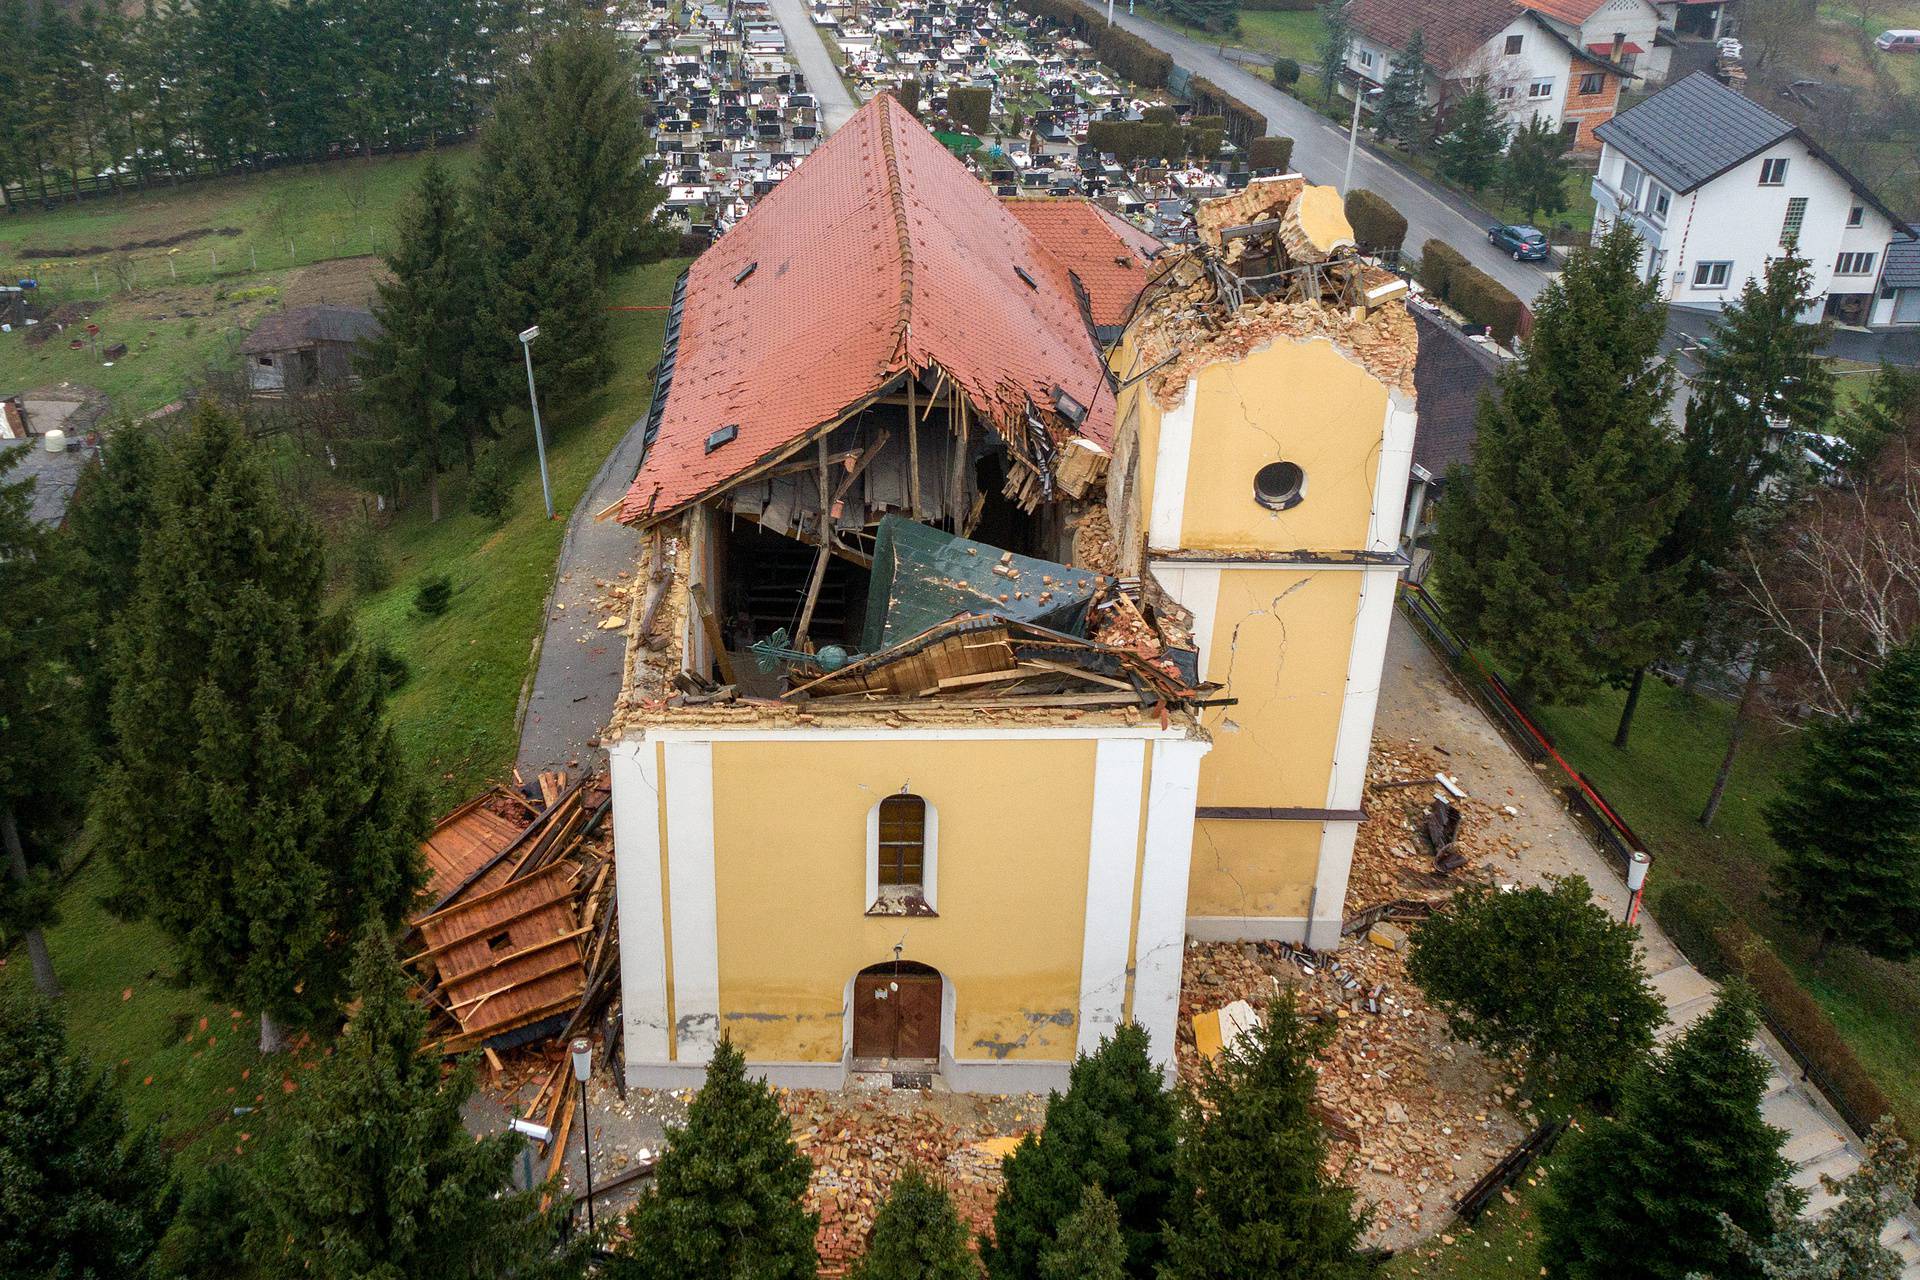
(303, 348)
(981, 660)
(1453, 374)
(1716, 185)
(1625, 32)
(1532, 67)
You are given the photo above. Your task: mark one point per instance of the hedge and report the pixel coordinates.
(1244, 124)
(1438, 264)
(1130, 57)
(1160, 115)
(1277, 6)
(1721, 946)
(1377, 225)
(1275, 153)
(1131, 140)
(971, 109)
(1484, 300)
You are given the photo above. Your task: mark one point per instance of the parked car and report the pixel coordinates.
(1898, 41)
(1526, 244)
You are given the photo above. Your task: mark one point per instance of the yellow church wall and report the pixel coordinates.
(1280, 643)
(790, 820)
(1243, 868)
(1300, 402)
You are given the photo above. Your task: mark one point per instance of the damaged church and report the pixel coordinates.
(1013, 597)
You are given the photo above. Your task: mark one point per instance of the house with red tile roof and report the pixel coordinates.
(1625, 32)
(1529, 61)
(1012, 594)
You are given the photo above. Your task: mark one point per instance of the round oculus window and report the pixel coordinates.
(1279, 485)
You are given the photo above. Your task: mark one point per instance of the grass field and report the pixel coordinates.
(1659, 785)
(455, 715)
(1282, 34)
(1503, 1245)
(176, 311)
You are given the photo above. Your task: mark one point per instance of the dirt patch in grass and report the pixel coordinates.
(344, 282)
(155, 242)
(60, 317)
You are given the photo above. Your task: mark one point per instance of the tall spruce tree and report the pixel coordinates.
(1849, 821)
(1888, 411)
(917, 1235)
(1254, 1161)
(425, 310)
(726, 1196)
(44, 746)
(1545, 977)
(1844, 1242)
(108, 519)
(1535, 171)
(1114, 1128)
(1336, 39)
(258, 810)
(1639, 1196)
(1546, 542)
(82, 1199)
(1476, 135)
(1089, 1245)
(1402, 113)
(376, 1174)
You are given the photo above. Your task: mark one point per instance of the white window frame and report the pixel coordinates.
(1539, 89)
(1631, 176)
(1857, 215)
(1794, 222)
(1659, 202)
(1861, 259)
(1364, 56)
(929, 862)
(1599, 79)
(1513, 45)
(1708, 270)
(1504, 93)
(1773, 172)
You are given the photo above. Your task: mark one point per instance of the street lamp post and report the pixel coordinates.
(582, 1051)
(539, 441)
(1360, 92)
(1636, 879)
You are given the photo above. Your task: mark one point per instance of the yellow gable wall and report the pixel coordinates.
(1300, 402)
(790, 822)
(1245, 868)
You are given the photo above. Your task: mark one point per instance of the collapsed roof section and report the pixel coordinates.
(881, 266)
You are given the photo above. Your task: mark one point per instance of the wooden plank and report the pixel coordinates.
(1249, 813)
(698, 594)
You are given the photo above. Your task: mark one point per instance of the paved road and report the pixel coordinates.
(1686, 327)
(1320, 152)
(823, 78)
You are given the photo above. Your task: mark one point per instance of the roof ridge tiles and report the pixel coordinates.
(897, 204)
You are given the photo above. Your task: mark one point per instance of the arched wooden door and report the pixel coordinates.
(896, 1014)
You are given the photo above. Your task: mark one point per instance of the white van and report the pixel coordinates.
(1903, 41)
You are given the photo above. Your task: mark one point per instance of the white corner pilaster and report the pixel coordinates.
(637, 889)
(1113, 847)
(1196, 588)
(1171, 457)
(1390, 482)
(690, 886)
(1160, 947)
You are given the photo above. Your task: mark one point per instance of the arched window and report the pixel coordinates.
(902, 835)
(903, 842)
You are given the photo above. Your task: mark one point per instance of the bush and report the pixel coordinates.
(367, 563)
(1689, 915)
(907, 93)
(1286, 72)
(393, 668)
(1377, 225)
(433, 595)
(971, 109)
(1484, 300)
(1274, 153)
(490, 493)
(1243, 123)
(1439, 262)
(1159, 115)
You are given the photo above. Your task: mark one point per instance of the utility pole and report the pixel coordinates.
(533, 397)
(1360, 91)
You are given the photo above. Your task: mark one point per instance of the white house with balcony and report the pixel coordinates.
(1716, 185)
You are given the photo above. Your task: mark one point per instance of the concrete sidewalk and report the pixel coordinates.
(1419, 700)
(810, 51)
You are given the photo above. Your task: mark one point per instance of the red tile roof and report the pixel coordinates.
(1572, 12)
(881, 254)
(1455, 29)
(1605, 50)
(1106, 252)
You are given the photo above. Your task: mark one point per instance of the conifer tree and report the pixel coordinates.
(1849, 821)
(917, 1235)
(1888, 411)
(1402, 113)
(1476, 135)
(1844, 1242)
(726, 1195)
(258, 810)
(1542, 975)
(1639, 1196)
(376, 1173)
(108, 520)
(1336, 39)
(1254, 1158)
(1534, 174)
(412, 367)
(1114, 1128)
(83, 1200)
(1546, 542)
(44, 747)
(1089, 1246)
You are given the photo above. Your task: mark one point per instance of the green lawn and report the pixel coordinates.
(1292, 34)
(455, 715)
(1501, 1246)
(1659, 784)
